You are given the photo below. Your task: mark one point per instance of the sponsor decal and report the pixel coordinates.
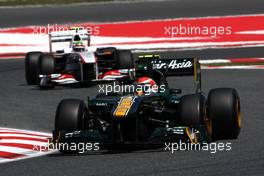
(124, 106)
(173, 64)
(101, 104)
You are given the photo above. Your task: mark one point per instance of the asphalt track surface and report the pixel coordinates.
(158, 9)
(26, 107)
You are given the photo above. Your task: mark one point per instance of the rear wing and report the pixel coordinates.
(67, 36)
(170, 67)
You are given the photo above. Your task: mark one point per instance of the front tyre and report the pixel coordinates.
(193, 113)
(46, 64)
(71, 115)
(32, 67)
(192, 110)
(224, 109)
(46, 68)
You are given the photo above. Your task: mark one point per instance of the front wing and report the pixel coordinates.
(158, 137)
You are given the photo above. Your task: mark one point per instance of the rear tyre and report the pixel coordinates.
(124, 59)
(71, 115)
(32, 67)
(224, 109)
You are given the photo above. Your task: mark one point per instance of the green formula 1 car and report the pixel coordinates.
(152, 118)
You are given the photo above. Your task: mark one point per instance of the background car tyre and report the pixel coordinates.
(224, 109)
(46, 64)
(71, 115)
(32, 67)
(124, 59)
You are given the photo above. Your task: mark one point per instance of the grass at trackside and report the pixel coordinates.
(44, 2)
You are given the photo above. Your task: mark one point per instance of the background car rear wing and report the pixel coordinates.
(146, 64)
(67, 36)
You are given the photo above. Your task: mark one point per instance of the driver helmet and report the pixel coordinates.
(78, 44)
(146, 86)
